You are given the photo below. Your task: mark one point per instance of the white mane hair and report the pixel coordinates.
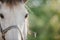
(14, 13)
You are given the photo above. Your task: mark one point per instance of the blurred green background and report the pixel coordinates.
(44, 19)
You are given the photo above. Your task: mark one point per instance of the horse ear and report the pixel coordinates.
(24, 1)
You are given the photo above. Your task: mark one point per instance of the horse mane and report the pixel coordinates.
(11, 3)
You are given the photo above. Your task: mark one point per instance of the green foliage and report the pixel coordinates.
(44, 19)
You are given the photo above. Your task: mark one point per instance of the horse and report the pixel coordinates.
(13, 20)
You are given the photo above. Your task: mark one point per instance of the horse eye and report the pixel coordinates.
(1, 15)
(26, 15)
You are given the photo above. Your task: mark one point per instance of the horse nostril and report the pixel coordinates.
(1, 15)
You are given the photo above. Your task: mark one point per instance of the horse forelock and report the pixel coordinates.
(11, 3)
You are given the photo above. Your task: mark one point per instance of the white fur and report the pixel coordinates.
(14, 16)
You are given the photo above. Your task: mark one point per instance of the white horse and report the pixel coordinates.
(13, 20)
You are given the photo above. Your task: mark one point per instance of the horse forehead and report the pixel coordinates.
(19, 9)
